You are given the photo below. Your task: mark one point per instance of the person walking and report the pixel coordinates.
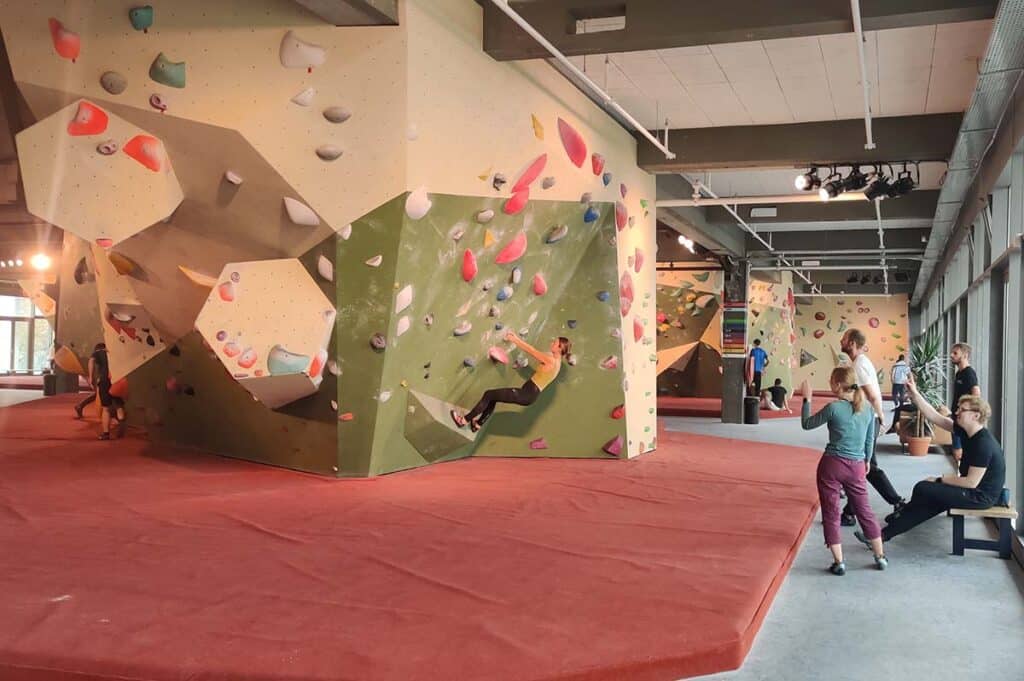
(758, 361)
(965, 382)
(898, 374)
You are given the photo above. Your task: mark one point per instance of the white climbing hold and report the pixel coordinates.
(337, 114)
(457, 232)
(334, 405)
(463, 328)
(345, 232)
(325, 267)
(375, 261)
(328, 152)
(417, 204)
(403, 299)
(233, 177)
(485, 216)
(332, 366)
(296, 53)
(384, 396)
(305, 98)
(300, 213)
(402, 326)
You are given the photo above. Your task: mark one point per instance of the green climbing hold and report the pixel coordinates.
(167, 72)
(702, 276)
(141, 18)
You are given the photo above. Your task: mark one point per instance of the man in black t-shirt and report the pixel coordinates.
(964, 383)
(981, 476)
(774, 398)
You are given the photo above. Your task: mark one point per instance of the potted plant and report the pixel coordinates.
(927, 365)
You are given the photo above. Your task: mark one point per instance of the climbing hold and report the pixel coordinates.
(638, 260)
(402, 326)
(618, 412)
(345, 232)
(347, 416)
(197, 278)
(703, 301)
(66, 359)
(572, 142)
(247, 359)
(328, 152)
(233, 177)
(337, 114)
(531, 173)
(300, 213)
(638, 329)
(281, 361)
(469, 268)
(538, 129)
(820, 316)
(571, 323)
(540, 287)
(158, 102)
(621, 215)
(231, 349)
(167, 72)
(296, 53)
(623, 190)
(571, 359)
(147, 151)
(487, 285)
(498, 326)
(607, 179)
(227, 291)
(613, 446)
(603, 296)
(591, 215)
(616, 332)
(141, 17)
(113, 82)
(521, 362)
(819, 333)
(556, 234)
(88, 120)
(304, 98)
(122, 264)
(513, 250)
(505, 293)
(873, 323)
(586, 197)
(516, 276)
(807, 358)
(375, 261)
(597, 163)
(610, 362)
(67, 43)
(325, 268)
(499, 181)
(468, 362)
(517, 203)
(417, 203)
(493, 311)
(547, 183)
(403, 298)
(463, 328)
(107, 148)
(378, 341)
(384, 395)
(539, 443)
(333, 368)
(498, 354)
(631, 221)
(485, 216)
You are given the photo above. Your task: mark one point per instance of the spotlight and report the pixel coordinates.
(831, 189)
(808, 181)
(686, 243)
(41, 261)
(865, 279)
(878, 187)
(852, 279)
(3, 264)
(10, 263)
(855, 181)
(904, 184)
(18, 262)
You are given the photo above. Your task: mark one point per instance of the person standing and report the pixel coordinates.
(853, 343)
(758, 361)
(899, 372)
(965, 382)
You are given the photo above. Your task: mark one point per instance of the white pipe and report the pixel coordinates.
(859, 31)
(881, 242)
(604, 96)
(838, 268)
(842, 295)
(809, 197)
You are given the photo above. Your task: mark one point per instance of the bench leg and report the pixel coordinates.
(958, 535)
(1005, 532)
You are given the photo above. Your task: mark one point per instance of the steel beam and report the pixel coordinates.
(918, 204)
(354, 12)
(928, 137)
(839, 241)
(664, 24)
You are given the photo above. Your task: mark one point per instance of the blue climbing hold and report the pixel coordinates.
(603, 296)
(141, 17)
(571, 323)
(469, 362)
(591, 215)
(505, 293)
(281, 361)
(607, 179)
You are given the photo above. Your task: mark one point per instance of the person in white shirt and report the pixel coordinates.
(899, 373)
(853, 343)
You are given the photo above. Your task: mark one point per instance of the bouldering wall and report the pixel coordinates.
(821, 322)
(772, 310)
(78, 324)
(689, 317)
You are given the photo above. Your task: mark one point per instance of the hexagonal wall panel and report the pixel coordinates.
(269, 324)
(96, 175)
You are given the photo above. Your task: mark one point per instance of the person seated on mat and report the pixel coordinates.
(547, 370)
(851, 441)
(774, 398)
(982, 468)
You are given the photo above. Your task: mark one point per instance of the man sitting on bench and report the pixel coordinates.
(982, 469)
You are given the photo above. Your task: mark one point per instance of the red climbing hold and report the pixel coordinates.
(638, 330)
(146, 150)
(573, 143)
(517, 203)
(625, 293)
(540, 287)
(316, 366)
(513, 250)
(227, 291)
(88, 120)
(621, 215)
(469, 268)
(638, 260)
(613, 446)
(662, 317)
(498, 354)
(530, 174)
(67, 43)
(597, 163)
(618, 412)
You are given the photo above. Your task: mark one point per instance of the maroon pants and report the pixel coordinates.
(835, 473)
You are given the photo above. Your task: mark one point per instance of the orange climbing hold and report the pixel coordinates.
(67, 43)
(88, 120)
(147, 150)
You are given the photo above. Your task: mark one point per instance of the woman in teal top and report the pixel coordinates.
(851, 441)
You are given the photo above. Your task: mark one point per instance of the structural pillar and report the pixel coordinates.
(734, 342)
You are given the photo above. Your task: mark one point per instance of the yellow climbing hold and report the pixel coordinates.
(486, 174)
(122, 264)
(198, 278)
(404, 383)
(538, 127)
(489, 238)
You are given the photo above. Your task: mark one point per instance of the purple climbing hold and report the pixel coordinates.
(556, 234)
(586, 197)
(613, 446)
(623, 190)
(539, 443)
(222, 335)
(591, 215)
(378, 341)
(571, 323)
(469, 362)
(498, 326)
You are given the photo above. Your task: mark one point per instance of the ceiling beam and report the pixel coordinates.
(927, 137)
(838, 241)
(919, 204)
(664, 24)
(354, 12)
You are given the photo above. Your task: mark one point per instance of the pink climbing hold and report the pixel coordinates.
(613, 446)
(621, 215)
(638, 260)
(873, 322)
(638, 330)
(104, 242)
(597, 163)
(172, 385)
(573, 143)
(316, 366)
(540, 287)
(227, 291)
(610, 362)
(67, 43)
(517, 203)
(618, 412)
(625, 293)
(513, 250)
(146, 150)
(623, 190)
(231, 349)
(88, 120)
(662, 317)
(539, 443)
(469, 268)
(247, 359)
(530, 174)
(498, 354)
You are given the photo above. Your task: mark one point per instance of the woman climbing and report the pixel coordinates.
(547, 370)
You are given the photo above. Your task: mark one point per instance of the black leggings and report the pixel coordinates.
(524, 396)
(930, 499)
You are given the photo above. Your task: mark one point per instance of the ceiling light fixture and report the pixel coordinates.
(18, 262)
(855, 181)
(808, 181)
(832, 188)
(904, 184)
(41, 261)
(878, 186)
(686, 243)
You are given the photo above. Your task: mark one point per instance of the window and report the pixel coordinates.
(26, 336)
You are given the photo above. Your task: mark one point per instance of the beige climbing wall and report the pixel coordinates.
(470, 117)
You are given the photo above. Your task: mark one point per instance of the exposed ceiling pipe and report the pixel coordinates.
(842, 295)
(852, 252)
(865, 86)
(881, 242)
(756, 200)
(597, 90)
(823, 268)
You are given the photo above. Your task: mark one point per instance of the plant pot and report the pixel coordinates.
(918, 446)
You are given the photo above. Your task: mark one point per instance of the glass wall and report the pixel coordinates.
(26, 337)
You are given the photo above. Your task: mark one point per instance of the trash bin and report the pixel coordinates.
(751, 410)
(49, 384)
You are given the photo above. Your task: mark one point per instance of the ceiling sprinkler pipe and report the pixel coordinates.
(865, 87)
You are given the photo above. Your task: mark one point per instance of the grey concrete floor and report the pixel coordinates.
(930, 616)
(10, 396)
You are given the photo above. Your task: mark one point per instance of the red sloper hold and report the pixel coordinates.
(625, 293)
(573, 143)
(513, 250)
(146, 150)
(540, 287)
(621, 215)
(638, 260)
(530, 174)
(618, 412)
(517, 203)
(638, 330)
(597, 163)
(67, 43)
(469, 268)
(88, 120)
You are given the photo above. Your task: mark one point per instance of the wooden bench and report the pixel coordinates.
(1001, 514)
